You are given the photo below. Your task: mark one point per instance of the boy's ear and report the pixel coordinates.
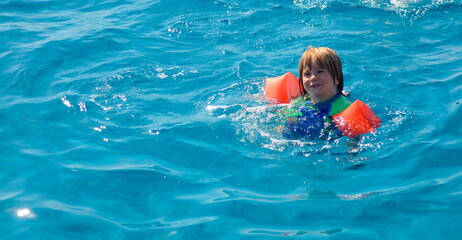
(336, 81)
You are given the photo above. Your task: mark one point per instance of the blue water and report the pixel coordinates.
(138, 119)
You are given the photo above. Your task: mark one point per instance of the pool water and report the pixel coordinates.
(147, 119)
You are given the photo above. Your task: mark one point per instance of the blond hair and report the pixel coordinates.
(325, 58)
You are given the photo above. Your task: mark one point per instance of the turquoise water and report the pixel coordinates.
(147, 120)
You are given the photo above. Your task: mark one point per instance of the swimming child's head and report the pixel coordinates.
(325, 58)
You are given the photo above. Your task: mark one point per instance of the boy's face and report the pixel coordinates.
(318, 83)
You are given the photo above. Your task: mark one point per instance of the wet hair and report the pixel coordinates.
(325, 58)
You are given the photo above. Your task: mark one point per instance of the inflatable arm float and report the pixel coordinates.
(357, 119)
(283, 88)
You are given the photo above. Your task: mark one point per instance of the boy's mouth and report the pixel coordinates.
(315, 85)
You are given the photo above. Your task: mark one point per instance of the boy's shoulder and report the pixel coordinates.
(339, 105)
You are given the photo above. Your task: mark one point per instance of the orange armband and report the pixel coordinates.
(283, 88)
(357, 119)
